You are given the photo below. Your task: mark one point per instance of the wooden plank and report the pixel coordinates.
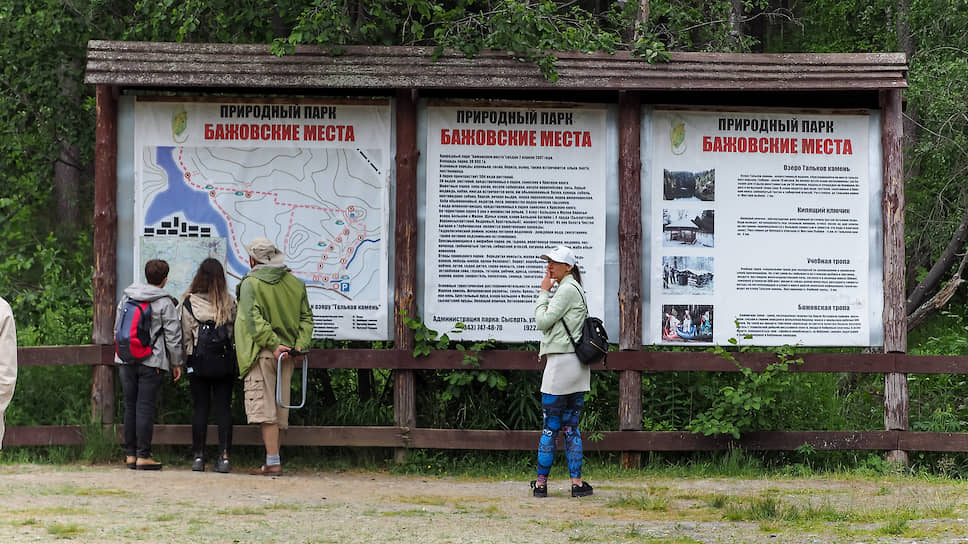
(130, 48)
(89, 355)
(250, 435)
(652, 361)
(167, 65)
(46, 435)
(527, 360)
(254, 79)
(394, 437)
(942, 442)
(659, 441)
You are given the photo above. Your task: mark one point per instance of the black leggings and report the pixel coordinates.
(217, 394)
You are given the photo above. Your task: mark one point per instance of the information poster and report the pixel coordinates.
(312, 177)
(505, 185)
(759, 229)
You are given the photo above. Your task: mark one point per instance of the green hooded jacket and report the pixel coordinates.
(273, 310)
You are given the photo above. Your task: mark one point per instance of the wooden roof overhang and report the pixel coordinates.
(686, 77)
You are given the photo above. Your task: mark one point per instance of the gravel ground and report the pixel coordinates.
(107, 504)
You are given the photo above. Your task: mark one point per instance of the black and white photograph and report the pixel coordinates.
(687, 275)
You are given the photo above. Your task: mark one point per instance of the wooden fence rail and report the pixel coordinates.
(101, 357)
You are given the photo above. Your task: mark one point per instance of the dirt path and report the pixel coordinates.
(103, 504)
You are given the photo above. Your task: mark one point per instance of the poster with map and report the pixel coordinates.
(312, 177)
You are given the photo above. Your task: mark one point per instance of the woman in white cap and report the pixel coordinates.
(565, 380)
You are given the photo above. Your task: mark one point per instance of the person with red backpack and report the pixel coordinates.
(148, 344)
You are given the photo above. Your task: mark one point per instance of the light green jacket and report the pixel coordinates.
(567, 302)
(273, 309)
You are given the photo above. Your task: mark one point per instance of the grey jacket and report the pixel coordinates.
(166, 347)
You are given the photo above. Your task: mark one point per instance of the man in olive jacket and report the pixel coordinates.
(274, 317)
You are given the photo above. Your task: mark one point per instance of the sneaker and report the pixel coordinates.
(222, 465)
(582, 490)
(198, 465)
(540, 491)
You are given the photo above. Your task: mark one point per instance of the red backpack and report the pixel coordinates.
(132, 340)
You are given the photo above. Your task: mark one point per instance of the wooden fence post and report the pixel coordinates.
(892, 208)
(405, 265)
(630, 263)
(105, 277)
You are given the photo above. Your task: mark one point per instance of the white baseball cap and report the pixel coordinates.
(561, 254)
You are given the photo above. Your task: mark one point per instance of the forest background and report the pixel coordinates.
(47, 119)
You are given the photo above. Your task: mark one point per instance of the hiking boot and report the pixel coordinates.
(582, 490)
(198, 465)
(540, 490)
(222, 465)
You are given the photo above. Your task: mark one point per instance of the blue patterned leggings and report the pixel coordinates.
(561, 412)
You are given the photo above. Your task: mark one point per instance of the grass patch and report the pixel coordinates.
(894, 527)
(647, 502)
(771, 508)
(65, 530)
(420, 499)
(717, 500)
(73, 490)
(55, 511)
(405, 513)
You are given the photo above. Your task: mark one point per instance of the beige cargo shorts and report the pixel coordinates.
(259, 388)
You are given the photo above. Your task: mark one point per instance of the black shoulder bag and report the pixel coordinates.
(592, 347)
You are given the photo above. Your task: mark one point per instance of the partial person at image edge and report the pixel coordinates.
(8, 360)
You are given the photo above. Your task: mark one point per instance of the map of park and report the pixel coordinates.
(324, 207)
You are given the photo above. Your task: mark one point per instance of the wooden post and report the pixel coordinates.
(630, 263)
(105, 278)
(405, 265)
(892, 208)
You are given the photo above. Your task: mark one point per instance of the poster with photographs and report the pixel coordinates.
(762, 217)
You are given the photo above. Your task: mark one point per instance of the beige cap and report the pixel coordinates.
(264, 252)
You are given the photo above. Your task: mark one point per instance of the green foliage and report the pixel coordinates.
(425, 338)
(744, 406)
(530, 31)
(56, 395)
(846, 26)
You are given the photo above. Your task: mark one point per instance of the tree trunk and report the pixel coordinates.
(736, 24)
(940, 268)
(905, 39)
(67, 180)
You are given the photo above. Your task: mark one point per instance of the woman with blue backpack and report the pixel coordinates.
(207, 321)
